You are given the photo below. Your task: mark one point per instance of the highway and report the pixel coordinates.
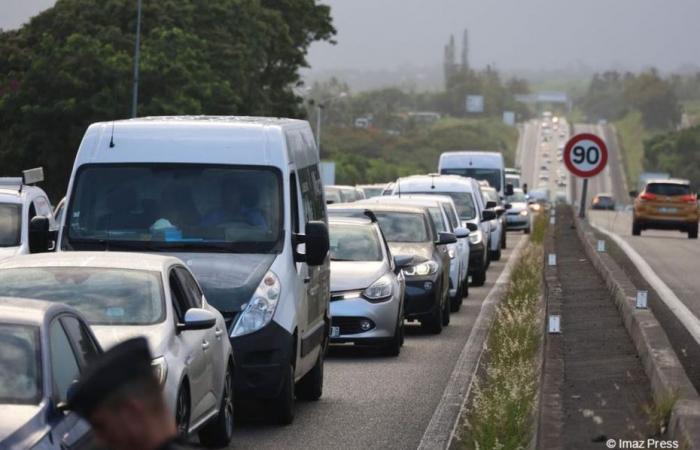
(374, 401)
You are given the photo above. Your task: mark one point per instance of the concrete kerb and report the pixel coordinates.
(661, 364)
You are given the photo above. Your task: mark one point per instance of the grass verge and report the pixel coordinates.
(501, 409)
(632, 134)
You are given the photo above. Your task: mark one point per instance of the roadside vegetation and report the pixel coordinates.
(631, 136)
(500, 412)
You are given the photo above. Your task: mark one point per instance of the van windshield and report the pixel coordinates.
(10, 221)
(493, 176)
(176, 207)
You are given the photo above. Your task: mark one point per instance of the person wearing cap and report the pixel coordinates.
(120, 397)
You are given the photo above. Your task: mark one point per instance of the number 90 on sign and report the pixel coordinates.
(585, 155)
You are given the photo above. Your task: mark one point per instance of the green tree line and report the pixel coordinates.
(675, 153)
(72, 65)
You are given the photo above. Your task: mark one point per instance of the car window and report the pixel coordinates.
(10, 224)
(84, 345)
(191, 289)
(20, 364)
(178, 296)
(451, 215)
(668, 189)
(354, 243)
(403, 227)
(438, 219)
(64, 365)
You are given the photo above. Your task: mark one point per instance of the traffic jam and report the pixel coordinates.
(240, 270)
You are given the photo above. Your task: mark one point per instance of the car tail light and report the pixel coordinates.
(648, 197)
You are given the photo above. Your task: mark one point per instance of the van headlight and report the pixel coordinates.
(260, 308)
(379, 290)
(422, 269)
(476, 237)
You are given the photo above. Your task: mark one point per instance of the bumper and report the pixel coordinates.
(421, 299)
(347, 314)
(476, 257)
(262, 359)
(675, 223)
(517, 222)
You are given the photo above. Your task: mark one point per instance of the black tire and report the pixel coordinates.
(496, 255)
(479, 278)
(693, 232)
(465, 288)
(310, 387)
(504, 239)
(282, 407)
(182, 412)
(636, 228)
(527, 230)
(433, 325)
(456, 300)
(218, 432)
(446, 311)
(393, 347)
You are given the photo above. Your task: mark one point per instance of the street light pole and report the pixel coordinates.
(137, 55)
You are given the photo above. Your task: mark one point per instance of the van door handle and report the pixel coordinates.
(205, 345)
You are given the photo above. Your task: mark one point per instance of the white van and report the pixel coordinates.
(240, 201)
(486, 166)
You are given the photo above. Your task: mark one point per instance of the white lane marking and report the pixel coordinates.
(441, 428)
(677, 307)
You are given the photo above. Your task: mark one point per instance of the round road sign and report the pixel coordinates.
(585, 155)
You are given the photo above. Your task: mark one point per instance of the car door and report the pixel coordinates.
(189, 350)
(65, 366)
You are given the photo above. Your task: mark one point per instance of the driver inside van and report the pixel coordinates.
(239, 203)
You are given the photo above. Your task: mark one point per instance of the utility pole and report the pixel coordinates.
(137, 55)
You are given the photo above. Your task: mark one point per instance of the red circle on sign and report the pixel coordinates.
(602, 160)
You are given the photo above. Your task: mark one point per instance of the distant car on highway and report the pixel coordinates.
(124, 296)
(518, 217)
(346, 194)
(498, 225)
(367, 286)
(603, 201)
(666, 205)
(409, 230)
(43, 349)
(513, 179)
(371, 190)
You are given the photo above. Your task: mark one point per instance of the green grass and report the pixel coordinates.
(632, 134)
(659, 413)
(500, 414)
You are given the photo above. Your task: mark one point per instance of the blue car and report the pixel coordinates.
(43, 349)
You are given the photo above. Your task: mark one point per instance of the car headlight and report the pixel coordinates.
(379, 290)
(160, 369)
(475, 237)
(422, 269)
(523, 212)
(261, 307)
(452, 253)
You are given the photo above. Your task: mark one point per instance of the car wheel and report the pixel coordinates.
(693, 231)
(283, 406)
(504, 240)
(496, 255)
(218, 432)
(636, 228)
(310, 387)
(446, 311)
(527, 230)
(456, 300)
(182, 412)
(465, 288)
(479, 278)
(393, 347)
(433, 324)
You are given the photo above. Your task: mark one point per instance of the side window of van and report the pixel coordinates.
(294, 195)
(311, 194)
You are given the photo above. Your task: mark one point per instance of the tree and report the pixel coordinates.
(71, 65)
(655, 99)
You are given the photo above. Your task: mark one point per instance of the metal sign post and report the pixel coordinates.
(585, 155)
(584, 193)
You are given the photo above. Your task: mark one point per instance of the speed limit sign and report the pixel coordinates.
(585, 155)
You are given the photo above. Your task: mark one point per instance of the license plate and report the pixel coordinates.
(335, 332)
(668, 210)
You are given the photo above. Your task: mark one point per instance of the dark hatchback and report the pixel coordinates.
(410, 231)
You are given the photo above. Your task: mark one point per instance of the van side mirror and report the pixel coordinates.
(488, 214)
(461, 232)
(472, 227)
(39, 235)
(634, 194)
(509, 189)
(491, 204)
(317, 244)
(197, 319)
(446, 238)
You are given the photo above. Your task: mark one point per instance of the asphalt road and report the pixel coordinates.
(373, 401)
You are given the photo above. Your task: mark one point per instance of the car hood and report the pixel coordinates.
(19, 423)
(350, 276)
(517, 207)
(110, 335)
(8, 252)
(228, 280)
(421, 251)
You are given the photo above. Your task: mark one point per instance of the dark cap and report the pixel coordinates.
(124, 363)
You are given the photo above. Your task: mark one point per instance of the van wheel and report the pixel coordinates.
(636, 228)
(693, 231)
(479, 278)
(433, 324)
(218, 432)
(310, 387)
(446, 311)
(282, 407)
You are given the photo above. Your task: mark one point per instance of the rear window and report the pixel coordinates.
(403, 227)
(668, 189)
(354, 243)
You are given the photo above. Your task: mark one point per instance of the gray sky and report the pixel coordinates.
(513, 34)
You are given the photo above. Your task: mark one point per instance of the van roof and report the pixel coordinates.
(441, 183)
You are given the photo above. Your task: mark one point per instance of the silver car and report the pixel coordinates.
(518, 217)
(367, 286)
(123, 295)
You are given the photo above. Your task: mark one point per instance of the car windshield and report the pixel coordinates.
(354, 243)
(668, 189)
(493, 176)
(104, 296)
(403, 227)
(10, 224)
(181, 207)
(20, 365)
(517, 197)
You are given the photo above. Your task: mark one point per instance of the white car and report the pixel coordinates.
(19, 204)
(123, 295)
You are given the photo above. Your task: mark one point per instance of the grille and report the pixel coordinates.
(350, 325)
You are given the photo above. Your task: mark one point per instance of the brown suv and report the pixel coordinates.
(666, 205)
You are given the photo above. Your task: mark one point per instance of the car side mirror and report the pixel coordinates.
(509, 189)
(39, 235)
(317, 244)
(499, 210)
(329, 202)
(491, 204)
(634, 194)
(488, 214)
(472, 227)
(461, 232)
(508, 206)
(197, 319)
(446, 238)
(403, 261)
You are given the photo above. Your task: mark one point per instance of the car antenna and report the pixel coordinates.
(111, 138)
(432, 181)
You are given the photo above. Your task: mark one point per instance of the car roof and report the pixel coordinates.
(669, 181)
(26, 311)
(388, 207)
(105, 260)
(341, 220)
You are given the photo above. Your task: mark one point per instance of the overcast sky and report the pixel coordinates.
(513, 34)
